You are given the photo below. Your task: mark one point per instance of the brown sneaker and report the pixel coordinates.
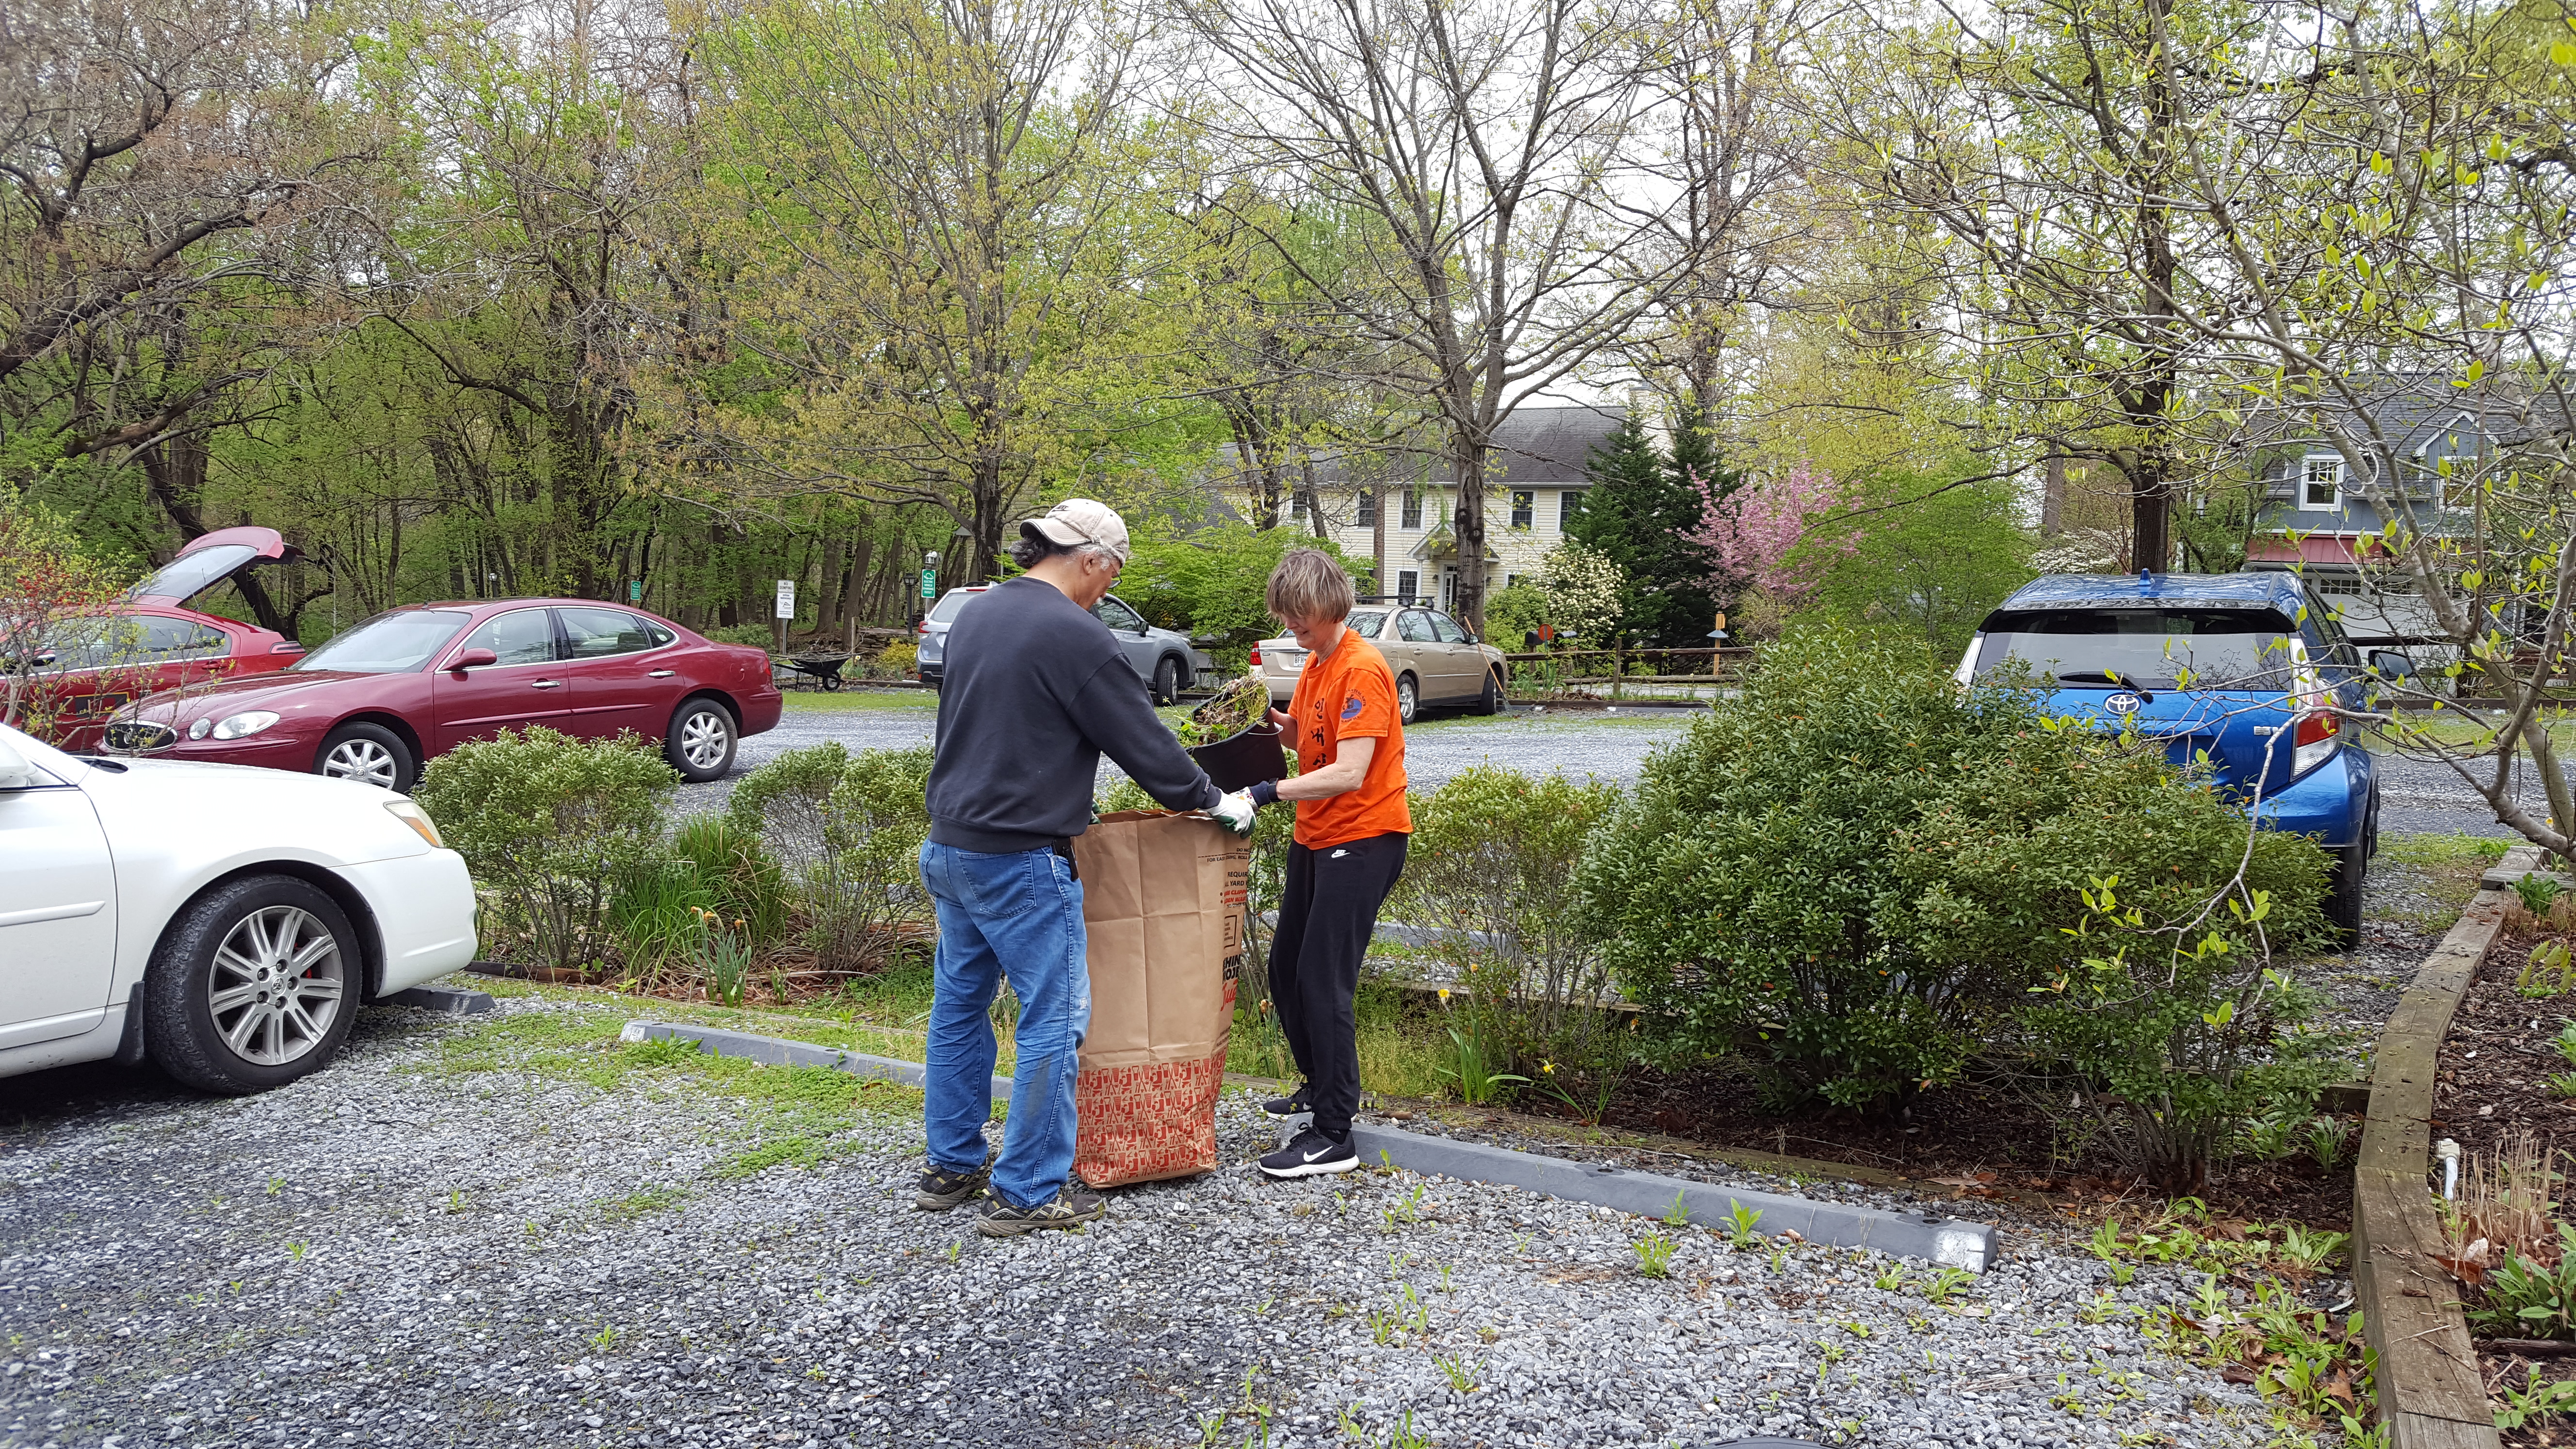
(941, 1189)
(1067, 1208)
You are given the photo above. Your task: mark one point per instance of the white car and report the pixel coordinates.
(222, 921)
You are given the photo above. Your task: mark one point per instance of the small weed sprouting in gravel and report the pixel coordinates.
(1460, 1373)
(1381, 1327)
(1654, 1254)
(295, 1252)
(1417, 1319)
(1401, 1436)
(2107, 1246)
(1407, 1209)
(1891, 1281)
(954, 1249)
(1444, 1279)
(607, 1337)
(1678, 1215)
(1743, 1227)
(456, 1199)
(276, 1185)
(1855, 1328)
(1947, 1284)
(2102, 1309)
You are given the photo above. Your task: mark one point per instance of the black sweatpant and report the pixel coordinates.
(1327, 911)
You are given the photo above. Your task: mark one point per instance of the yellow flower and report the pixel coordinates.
(737, 923)
(1444, 993)
(1548, 1067)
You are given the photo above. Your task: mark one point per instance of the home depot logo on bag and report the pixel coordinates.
(1162, 903)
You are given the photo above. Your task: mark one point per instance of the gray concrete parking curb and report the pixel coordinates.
(442, 999)
(2431, 1392)
(1949, 1242)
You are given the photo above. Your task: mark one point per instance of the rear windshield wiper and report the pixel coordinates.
(2107, 676)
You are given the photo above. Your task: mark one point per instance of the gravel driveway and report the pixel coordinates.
(517, 1232)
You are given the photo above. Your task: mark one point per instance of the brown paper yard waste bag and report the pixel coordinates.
(1162, 901)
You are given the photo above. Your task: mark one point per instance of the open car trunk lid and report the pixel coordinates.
(211, 559)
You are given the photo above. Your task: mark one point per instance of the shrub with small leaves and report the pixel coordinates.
(548, 825)
(847, 829)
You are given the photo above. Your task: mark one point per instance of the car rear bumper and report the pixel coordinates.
(2330, 802)
(424, 910)
(761, 709)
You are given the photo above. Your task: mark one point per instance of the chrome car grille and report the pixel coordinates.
(135, 736)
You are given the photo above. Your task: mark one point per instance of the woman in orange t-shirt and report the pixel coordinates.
(1352, 824)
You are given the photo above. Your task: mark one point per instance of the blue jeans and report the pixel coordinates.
(1020, 916)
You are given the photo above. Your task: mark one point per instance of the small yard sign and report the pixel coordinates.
(929, 582)
(787, 598)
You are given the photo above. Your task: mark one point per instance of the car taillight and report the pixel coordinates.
(1256, 656)
(2314, 739)
(922, 628)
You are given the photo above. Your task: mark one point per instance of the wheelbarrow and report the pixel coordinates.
(823, 669)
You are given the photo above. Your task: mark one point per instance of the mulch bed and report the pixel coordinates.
(1980, 1144)
(2493, 1084)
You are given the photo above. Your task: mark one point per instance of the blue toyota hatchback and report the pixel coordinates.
(2246, 667)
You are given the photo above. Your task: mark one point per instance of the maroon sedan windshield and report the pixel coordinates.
(394, 643)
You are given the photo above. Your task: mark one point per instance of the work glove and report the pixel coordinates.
(1234, 812)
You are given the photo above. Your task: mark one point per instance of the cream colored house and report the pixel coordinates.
(1397, 508)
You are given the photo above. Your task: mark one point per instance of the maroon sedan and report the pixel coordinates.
(406, 685)
(90, 665)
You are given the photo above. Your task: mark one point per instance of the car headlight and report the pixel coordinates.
(418, 819)
(237, 726)
(199, 730)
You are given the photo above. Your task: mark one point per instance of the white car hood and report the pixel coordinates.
(248, 808)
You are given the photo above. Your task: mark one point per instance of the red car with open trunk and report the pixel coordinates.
(381, 700)
(88, 666)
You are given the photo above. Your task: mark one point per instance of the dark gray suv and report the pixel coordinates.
(1163, 659)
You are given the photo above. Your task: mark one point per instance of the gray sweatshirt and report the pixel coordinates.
(1034, 691)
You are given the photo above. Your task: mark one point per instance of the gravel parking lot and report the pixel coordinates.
(515, 1231)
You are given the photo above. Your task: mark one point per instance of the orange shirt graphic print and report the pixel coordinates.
(1350, 694)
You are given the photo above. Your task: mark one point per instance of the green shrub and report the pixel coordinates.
(1857, 872)
(848, 832)
(741, 880)
(1491, 854)
(549, 824)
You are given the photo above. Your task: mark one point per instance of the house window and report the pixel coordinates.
(1524, 507)
(1511, 581)
(1569, 506)
(1297, 506)
(1407, 581)
(1364, 511)
(2336, 584)
(1412, 516)
(2323, 487)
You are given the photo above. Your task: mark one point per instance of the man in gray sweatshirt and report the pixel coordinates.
(1036, 691)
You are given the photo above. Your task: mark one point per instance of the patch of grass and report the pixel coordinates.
(643, 1202)
(2448, 866)
(793, 1149)
(839, 701)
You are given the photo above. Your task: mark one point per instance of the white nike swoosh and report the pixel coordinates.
(1311, 1156)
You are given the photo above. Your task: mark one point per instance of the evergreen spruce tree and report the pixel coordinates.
(1640, 507)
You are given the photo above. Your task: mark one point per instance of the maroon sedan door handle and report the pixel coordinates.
(545, 684)
(661, 674)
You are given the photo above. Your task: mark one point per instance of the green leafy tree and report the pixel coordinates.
(1211, 581)
(1931, 568)
(1639, 513)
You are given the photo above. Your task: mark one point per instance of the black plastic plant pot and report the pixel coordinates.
(1244, 758)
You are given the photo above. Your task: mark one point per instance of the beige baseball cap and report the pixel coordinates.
(1079, 521)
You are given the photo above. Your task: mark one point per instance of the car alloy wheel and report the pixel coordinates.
(363, 760)
(277, 985)
(1408, 697)
(704, 740)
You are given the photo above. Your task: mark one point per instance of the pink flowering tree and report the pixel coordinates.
(1757, 535)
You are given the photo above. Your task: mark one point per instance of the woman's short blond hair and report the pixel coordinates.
(1309, 584)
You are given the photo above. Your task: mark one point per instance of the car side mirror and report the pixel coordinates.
(16, 772)
(2390, 664)
(474, 659)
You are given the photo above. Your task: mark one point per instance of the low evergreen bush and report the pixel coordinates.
(847, 830)
(1865, 878)
(548, 824)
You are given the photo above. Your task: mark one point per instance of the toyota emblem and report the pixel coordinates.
(2122, 703)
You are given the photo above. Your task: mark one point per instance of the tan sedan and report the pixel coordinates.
(1436, 661)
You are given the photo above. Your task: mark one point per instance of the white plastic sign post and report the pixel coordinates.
(787, 598)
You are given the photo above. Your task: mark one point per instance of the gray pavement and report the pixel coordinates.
(2416, 796)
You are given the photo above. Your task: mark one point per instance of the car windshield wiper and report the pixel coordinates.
(2107, 676)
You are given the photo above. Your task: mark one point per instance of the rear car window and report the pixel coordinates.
(2156, 648)
(946, 609)
(1366, 624)
(389, 643)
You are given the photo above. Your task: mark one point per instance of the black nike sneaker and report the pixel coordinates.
(941, 1189)
(1068, 1207)
(1312, 1155)
(1296, 1104)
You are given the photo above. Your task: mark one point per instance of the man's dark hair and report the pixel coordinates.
(1032, 548)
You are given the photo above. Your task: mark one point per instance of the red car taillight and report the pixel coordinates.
(922, 628)
(1256, 656)
(2314, 739)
